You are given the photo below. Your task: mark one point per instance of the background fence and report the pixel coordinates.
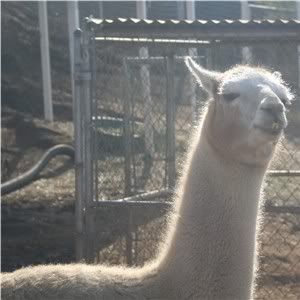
(135, 111)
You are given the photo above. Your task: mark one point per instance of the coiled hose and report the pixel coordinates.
(32, 174)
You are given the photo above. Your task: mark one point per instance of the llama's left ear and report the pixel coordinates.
(208, 80)
(290, 95)
(277, 75)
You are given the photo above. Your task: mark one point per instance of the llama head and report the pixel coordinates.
(247, 112)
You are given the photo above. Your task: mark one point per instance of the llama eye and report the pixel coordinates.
(230, 97)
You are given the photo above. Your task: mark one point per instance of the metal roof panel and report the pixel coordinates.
(225, 29)
(160, 21)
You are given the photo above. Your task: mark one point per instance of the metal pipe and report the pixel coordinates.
(127, 162)
(127, 130)
(86, 103)
(45, 57)
(141, 13)
(73, 24)
(170, 122)
(159, 59)
(246, 15)
(191, 15)
(86, 106)
(77, 114)
(94, 116)
(144, 197)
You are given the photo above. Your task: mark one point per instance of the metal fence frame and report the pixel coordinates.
(145, 33)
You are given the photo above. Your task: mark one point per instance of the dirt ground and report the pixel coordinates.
(38, 220)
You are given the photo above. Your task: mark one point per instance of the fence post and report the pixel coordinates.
(141, 12)
(77, 120)
(128, 156)
(246, 15)
(191, 15)
(95, 117)
(73, 24)
(148, 103)
(170, 120)
(45, 57)
(192, 86)
(86, 102)
(127, 130)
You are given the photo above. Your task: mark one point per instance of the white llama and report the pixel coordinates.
(210, 249)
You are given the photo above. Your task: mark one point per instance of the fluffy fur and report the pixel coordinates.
(210, 249)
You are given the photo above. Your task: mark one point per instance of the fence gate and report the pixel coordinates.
(135, 107)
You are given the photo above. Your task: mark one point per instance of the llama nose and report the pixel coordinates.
(275, 108)
(272, 105)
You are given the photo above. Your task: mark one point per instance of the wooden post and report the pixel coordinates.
(170, 130)
(45, 59)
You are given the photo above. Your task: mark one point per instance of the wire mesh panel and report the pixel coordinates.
(144, 109)
(120, 109)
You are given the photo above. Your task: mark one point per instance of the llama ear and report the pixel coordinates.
(277, 75)
(208, 80)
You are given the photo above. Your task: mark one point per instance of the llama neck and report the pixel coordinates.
(212, 247)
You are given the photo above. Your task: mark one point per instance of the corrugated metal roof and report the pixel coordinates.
(225, 30)
(174, 9)
(124, 21)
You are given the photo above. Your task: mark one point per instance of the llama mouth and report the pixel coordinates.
(274, 131)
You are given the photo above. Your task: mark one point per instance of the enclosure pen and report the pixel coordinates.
(115, 170)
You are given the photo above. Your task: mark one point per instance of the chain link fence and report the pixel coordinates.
(143, 110)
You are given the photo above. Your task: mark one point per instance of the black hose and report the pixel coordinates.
(32, 174)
